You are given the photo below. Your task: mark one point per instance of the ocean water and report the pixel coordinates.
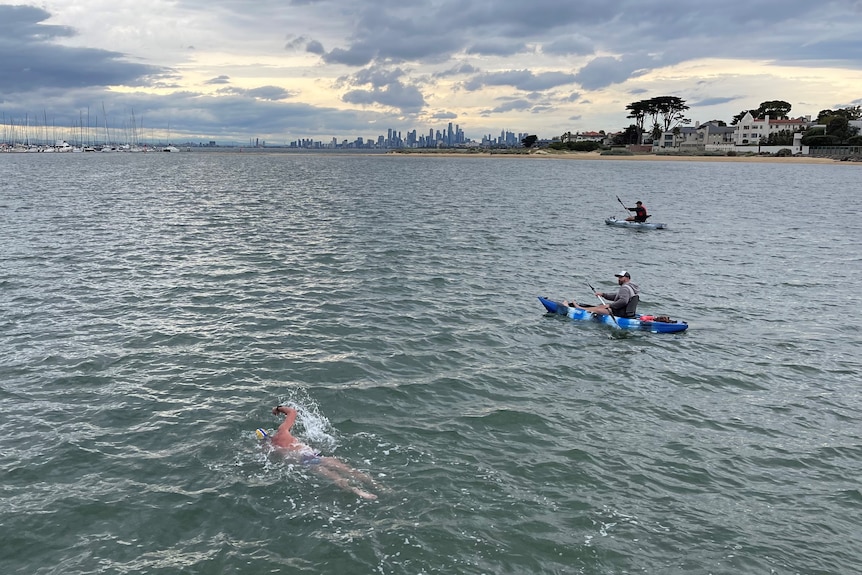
(155, 307)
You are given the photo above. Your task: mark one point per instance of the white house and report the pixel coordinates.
(751, 130)
(745, 136)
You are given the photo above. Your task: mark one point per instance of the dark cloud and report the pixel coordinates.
(547, 80)
(315, 47)
(520, 79)
(271, 93)
(355, 56)
(424, 31)
(715, 101)
(32, 61)
(606, 70)
(512, 105)
(444, 116)
(536, 19)
(377, 76)
(458, 70)
(295, 43)
(570, 46)
(24, 24)
(496, 47)
(390, 43)
(386, 88)
(408, 99)
(671, 31)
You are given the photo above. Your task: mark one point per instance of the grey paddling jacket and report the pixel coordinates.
(624, 303)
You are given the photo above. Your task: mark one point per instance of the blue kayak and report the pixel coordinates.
(641, 322)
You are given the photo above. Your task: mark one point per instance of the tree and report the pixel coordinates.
(851, 113)
(653, 110)
(638, 112)
(530, 141)
(666, 112)
(775, 109)
(631, 135)
(780, 138)
(672, 111)
(738, 118)
(839, 127)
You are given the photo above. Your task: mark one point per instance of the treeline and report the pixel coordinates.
(833, 127)
(666, 112)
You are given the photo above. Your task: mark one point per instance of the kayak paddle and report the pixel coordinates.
(623, 205)
(610, 311)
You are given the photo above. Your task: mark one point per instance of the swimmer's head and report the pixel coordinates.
(261, 434)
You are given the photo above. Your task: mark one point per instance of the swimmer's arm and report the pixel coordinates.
(289, 413)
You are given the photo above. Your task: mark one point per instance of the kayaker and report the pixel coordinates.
(330, 467)
(640, 213)
(624, 303)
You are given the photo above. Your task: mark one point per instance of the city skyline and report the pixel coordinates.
(93, 130)
(228, 71)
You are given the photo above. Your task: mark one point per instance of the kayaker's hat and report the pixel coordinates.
(638, 202)
(623, 274)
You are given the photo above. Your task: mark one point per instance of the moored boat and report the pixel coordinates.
(612, 221)
(642, 322)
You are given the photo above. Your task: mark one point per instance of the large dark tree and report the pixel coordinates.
(666, 112)
(638, 112)
(775, 109)
(631, 135)
(529, 141)
(672, 111)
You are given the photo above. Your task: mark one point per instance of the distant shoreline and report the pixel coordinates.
(540, 154)
(565, 155)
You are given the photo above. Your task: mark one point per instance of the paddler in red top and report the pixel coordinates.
(640, 213)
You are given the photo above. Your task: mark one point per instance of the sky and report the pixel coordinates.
(281, 70)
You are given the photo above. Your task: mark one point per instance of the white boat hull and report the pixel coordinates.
(635, 225)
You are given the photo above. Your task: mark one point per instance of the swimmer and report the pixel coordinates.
(330, 467)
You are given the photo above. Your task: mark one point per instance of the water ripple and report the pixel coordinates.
(155, 308)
